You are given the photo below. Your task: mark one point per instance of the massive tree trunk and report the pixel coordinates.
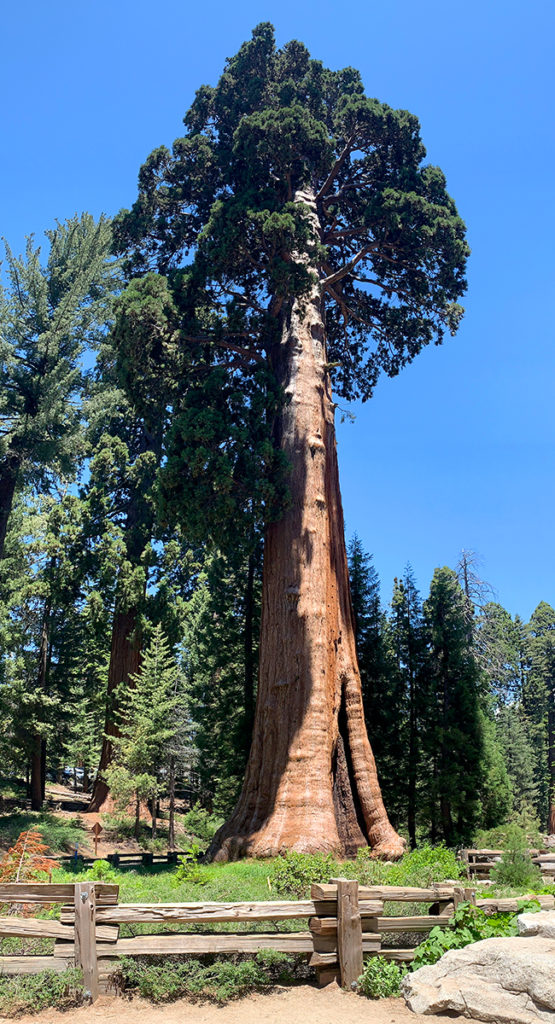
(125, 654)
(311, 782)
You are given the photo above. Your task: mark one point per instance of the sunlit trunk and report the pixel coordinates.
(311, 782)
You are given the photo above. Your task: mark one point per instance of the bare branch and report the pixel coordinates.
(336, 167)
(249, 353)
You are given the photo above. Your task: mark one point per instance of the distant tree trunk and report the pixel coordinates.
(125, 649)
(125, 658)
(86, 780)
(137, 828)
(43, 769)
(35, 787)
(171, 794)
(9, 472)
(311, 781)
(38, 757)
(153, 815)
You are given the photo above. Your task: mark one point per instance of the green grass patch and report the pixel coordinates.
(60, 834)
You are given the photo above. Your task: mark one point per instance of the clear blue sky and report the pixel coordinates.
(458, 450)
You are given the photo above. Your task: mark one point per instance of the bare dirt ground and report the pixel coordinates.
(66, 803)
(300, 1004)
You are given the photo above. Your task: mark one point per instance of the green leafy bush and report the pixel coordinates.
(468, 924)
(293, 874)
(515, 868)
(381, 978)
(165, 980)
(189, 870)
(34, 992)
(200, 823)
(420, 867)
(101, 871)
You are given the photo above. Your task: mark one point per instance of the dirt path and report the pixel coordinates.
(300, 1004)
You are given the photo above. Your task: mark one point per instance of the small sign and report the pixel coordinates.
(97, 829)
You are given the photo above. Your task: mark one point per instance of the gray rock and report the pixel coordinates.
(501, 981)
(542, 923)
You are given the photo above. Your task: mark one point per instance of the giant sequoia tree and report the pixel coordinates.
(301, 240)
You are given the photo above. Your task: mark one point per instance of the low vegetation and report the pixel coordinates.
(35, 992)
(213, 978)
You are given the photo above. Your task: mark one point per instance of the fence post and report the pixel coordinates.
(349, 931)
(85, 936)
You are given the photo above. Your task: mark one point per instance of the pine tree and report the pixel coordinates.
(453, 738)
(539, 703)
(219, 662)
(147, 729)
(49, 315)
(514, 732)
(408, 644)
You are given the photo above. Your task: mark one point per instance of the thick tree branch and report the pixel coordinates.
(348, 267)
(336, 167)
(249, 353)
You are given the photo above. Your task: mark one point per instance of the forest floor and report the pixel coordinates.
(67, 807)
(295, 1005)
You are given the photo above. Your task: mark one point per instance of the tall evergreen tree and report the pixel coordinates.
(453, 735)
(48, 316)
(539, 703)
(147, 729)
(301, 237)
(408, 638)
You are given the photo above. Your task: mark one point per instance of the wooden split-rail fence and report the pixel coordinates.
(346, 921)
(479, 863)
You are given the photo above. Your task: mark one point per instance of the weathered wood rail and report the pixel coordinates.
(345, 921)
(479, 863)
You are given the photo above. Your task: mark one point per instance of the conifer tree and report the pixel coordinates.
(48, 316)
(408, 643)
(147, 729)
(539, 703)
(453, 735)
(297, 237)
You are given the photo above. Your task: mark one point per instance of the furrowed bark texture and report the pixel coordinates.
(311, 782)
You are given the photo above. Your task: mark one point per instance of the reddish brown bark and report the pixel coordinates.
(125, 654)
(311, 782)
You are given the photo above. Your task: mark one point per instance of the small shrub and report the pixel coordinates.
(381, 978)
(221, 980)
(34, 992)
(101, 871)
(294, 873)
(189, 870)
(201, 824)
(515, 868)
(468, 924)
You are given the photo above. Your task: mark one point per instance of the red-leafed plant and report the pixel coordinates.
(26, 861)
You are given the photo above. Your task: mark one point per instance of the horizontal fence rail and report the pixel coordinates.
(345, 921)
(479, 863)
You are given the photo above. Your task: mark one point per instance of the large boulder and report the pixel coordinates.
(542, 923)
(502, 981)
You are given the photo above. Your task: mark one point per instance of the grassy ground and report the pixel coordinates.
(60, 834)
